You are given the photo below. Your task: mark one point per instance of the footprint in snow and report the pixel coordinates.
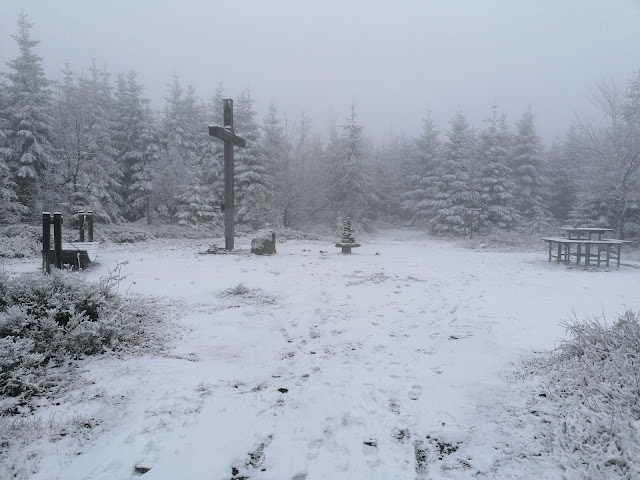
(415, 393)
(370, 450)
(313, 449)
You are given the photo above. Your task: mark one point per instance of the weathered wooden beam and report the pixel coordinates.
(90, 225)
(227, 136)
(57, 238)
(81, 218)
(46, 242)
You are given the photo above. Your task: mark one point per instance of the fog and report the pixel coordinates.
(394, 60)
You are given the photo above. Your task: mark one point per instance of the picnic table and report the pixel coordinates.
(600, 250)
(585, 233)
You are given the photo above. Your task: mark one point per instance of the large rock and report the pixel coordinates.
(264, 243)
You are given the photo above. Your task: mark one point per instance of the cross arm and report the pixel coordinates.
(226, 135)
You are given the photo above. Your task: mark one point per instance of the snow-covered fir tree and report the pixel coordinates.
(420, 175)
(527, 170)
(252, 179)
(559, 168)
(352, 184)
(11, 209)
(27, 121)
(348, 236)
(276, 152)
(452, 193)
(211, 150)
(88, 168)
(177, 170)
(198, 207)
(385, 165)
(135, 139)
(494, 185)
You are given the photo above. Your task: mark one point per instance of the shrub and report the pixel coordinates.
(20, 240)
(45, 318)
(593, 382)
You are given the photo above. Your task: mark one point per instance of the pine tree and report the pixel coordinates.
(277, 161)
(348, 237)
(494, 185)
(386, 171)
(452, 193)
(252, 180)
(89, 174)
(420, 175)
(352, 183)
(197, 206)
(135, 139)
(10, 209)
(562, 191)
(175, 171)
(27, 121)
(212, 152)
(104, 173)
(526, 165)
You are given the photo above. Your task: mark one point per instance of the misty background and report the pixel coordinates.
(511, 116)
(395, 60)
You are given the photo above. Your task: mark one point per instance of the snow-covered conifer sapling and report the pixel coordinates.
(348, 240)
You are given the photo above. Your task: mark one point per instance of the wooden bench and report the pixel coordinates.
(77, 254)
(560, 249)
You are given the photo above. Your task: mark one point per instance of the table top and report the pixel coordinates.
(604, 241)
(587, 229)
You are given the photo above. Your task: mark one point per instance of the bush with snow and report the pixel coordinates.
(591, 402)
(19, 240)
(45, 320)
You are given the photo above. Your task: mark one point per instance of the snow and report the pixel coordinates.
(314, 365)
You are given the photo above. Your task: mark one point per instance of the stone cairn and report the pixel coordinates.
(348, 238)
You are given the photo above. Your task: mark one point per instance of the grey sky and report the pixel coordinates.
(394, 59)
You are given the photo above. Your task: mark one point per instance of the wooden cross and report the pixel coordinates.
(230, 139)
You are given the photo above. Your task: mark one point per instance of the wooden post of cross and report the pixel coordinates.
(227, 134)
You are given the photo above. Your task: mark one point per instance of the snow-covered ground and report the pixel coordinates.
(395, 362)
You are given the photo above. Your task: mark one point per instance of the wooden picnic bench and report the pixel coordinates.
(585, 233)
(606, 250)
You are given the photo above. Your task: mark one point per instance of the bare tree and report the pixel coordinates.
(610, 148)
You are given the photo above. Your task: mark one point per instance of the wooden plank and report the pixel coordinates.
(57, 238)
(46, 241)
(579, 253)
(227, 136)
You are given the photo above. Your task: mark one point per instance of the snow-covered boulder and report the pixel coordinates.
(264, 243)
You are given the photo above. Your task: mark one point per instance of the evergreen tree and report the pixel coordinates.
(103, 171)
(175, 171)
(452, 194)
(526, 165)
(135, 138)
(277, 161)
(420, 175)
(211, 150)
(348, 237)
(352, 183)
(27, 121)
(10, 209)
(253, 181)
(88, 171)
(197, 206)
(562, 190)
(494, 185)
